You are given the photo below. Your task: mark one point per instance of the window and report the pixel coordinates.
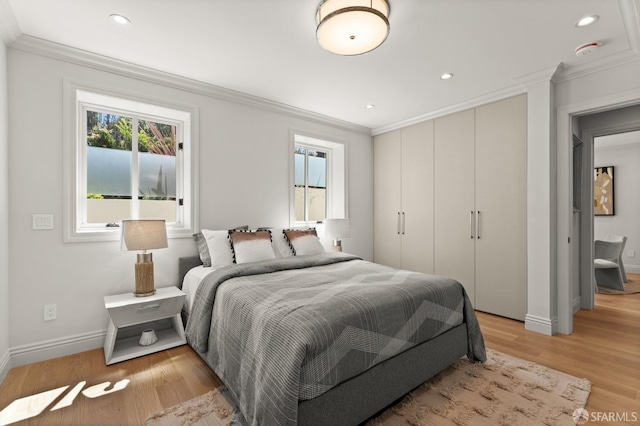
(125, 156)
(318, 179)
(132, 162)
(310, 184)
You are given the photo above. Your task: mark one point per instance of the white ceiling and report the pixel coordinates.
(268, 48)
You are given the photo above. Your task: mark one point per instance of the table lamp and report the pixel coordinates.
(337, 229)
(147, 234)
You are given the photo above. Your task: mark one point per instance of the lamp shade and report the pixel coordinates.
(144, 234)
(352, 27)
(337, 228)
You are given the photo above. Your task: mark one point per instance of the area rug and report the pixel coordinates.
(211, 409)
(630, 287)
(503, 391)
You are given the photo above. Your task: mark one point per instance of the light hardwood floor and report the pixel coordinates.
(605, 348)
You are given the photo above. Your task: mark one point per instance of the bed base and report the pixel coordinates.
(361, 397)
(354, 401)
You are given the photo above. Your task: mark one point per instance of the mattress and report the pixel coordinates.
(192, 280)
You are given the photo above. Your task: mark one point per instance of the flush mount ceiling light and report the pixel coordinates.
(352, 27)
(587, 20)
(370, 106)
(446, 76)
(119, 19)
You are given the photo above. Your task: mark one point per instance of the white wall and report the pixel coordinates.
(244, 179)
(4, 216)
(626, 220)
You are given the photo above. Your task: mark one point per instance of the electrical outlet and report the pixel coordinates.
(631, 253)
(50, 312)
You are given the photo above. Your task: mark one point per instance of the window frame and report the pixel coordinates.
(336, 176)
(80, 98)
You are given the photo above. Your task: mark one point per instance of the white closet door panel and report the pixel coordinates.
(417, 197)
(454, 198)
(387, 159)
(501, 199)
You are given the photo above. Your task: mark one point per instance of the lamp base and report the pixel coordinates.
(337, 245)
(144, 275)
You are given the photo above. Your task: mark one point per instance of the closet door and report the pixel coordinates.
(501, 199)
(387, 163)
(454, 198)
(417, 197)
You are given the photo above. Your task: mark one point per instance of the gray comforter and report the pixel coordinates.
(290, 329)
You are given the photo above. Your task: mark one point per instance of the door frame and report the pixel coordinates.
(588, 287)
(564, 200)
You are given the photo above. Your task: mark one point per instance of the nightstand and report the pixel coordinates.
(130, 315)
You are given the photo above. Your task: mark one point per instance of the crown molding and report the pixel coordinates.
(630, 12)
(607, 140)
(570, 72)
(617, 145)
(497, 95)
(72, 55)
(546, 74)
(9, 28)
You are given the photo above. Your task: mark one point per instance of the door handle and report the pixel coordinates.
(478, 225)
(404, 221)
(398, 227)
(471, 223)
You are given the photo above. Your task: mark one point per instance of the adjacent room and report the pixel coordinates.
(335, 212)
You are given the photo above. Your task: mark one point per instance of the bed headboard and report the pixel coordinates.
(184, 264)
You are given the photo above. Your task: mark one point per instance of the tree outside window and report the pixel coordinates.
(121, 162)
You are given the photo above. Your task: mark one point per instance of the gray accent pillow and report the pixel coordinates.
(203, 249)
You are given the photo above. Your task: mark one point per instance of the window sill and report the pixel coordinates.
(113, 234)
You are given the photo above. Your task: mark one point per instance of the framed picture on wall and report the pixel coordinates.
(603, 191)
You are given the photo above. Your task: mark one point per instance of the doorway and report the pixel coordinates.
(611, 137)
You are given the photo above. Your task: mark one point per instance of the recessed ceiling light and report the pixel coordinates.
(446, 76)
(119, 19)
(587, 20)
(370, 106)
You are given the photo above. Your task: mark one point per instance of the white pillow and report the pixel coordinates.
(219, 247)
(304, 242)
(251, 246)
(280, 243)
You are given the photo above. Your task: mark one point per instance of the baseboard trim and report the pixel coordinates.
(49, 349)
(5, 365)
(577, 304)
(634, 269)
(541, 325)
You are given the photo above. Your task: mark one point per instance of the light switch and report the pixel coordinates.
(42, 221)
(631, 253)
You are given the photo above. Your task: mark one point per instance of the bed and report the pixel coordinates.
(325, 339)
